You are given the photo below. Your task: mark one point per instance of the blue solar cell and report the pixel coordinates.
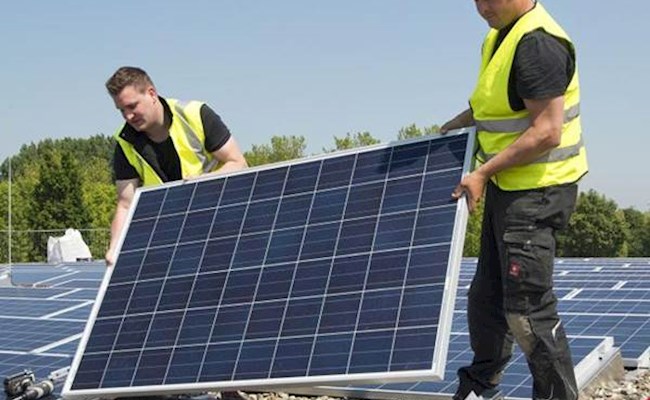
(402, 194)
(394, 231)
(284, 246)
(387, 269)
(260, 216)
(364, 200)
(269, 184)
(293, 211)
(196, 226)
(348, 274)
(237, 190)
(320, 241)
(218, 255)
(314, 268)
(177, 201)
(187, 259)
(251, 250)
(206, 195)
(227, 221)
(166, 229)
(336, 172)
(138, 235)
(410, 160)
(149, 205)
(328, 206)
(302, 178)
(356, 236)
(207, 290)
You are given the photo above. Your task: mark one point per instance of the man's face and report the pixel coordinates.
(500, 13)
(137, 106)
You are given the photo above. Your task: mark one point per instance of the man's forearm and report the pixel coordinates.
(116, 226)
(526, 149)
(544, 134)
(230, 166)
(462, 120)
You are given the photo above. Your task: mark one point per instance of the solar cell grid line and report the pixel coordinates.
(335, 268)
(174, 252)
(295, 270)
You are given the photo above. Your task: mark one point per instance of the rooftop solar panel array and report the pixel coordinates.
(42, 352)
(594, 301)
(328, 269)
(588, 353)
(597, 297)
(610, 297)
(70, 275)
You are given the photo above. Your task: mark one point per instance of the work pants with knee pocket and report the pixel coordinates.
(511, 295)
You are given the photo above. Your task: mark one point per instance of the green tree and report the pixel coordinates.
(350, 141)
(98, 192)
(4, 223)
(281, 148)
(596, 228)
(472, 245)
(83, 150)
(93, 175)
(412, 131)
(638, 225)
(646, 236)
(22, 240)
(58, 198)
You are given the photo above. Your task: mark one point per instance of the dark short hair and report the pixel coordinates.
(128, 76)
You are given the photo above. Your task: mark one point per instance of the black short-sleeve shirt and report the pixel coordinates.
(542, 68)
(163, 157)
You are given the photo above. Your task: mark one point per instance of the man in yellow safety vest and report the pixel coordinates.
(526, 109)
(162, 140)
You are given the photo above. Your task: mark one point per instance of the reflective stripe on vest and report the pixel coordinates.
(198, 146)
(518, 125)
(554, 155)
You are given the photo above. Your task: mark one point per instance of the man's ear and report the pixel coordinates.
(151, 91)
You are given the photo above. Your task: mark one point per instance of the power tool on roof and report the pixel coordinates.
(23, 386)
(16, 384)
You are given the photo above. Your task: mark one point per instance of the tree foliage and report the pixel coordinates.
(596, 229)
(281, 148)
(472, 246)
(412, 131)
(57, 199)
(646, 236)
(68, 183)
(83, 149)
(59, 184)
(637, 233)
(351, 141)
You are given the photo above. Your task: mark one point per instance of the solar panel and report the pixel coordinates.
(589, 354)
(30, 343)
(72, 275)
(330, 269)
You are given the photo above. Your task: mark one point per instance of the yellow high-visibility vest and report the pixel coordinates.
(498, 125)
(186, 132)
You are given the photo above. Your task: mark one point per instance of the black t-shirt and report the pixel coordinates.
(542, 68)
(163, 157)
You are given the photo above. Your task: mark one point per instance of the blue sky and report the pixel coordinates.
(317, 69)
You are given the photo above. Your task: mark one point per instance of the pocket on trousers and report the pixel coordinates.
(529, 267)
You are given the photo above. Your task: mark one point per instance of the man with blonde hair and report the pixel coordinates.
(162, 140)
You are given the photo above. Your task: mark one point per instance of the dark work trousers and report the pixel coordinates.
(511, 296)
